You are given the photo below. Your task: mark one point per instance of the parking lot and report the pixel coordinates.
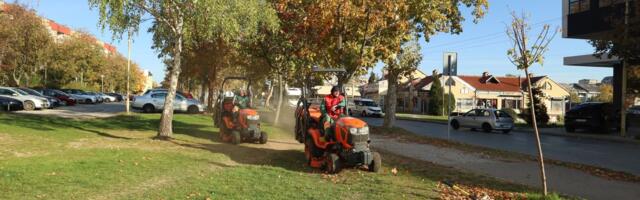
(82, 111)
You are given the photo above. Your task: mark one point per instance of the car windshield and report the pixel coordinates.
(21, 92)
(502, 114)
(369, 103)
(30, 91)
(58, 92)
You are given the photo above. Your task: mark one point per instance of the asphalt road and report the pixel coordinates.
(83, 111)
(611, 155)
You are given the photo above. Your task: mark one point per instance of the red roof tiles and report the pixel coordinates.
(59, 28)
(505, 84)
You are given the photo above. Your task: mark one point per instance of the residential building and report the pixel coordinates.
(376, 91)
(607, 80)
(60, 32)
(587, 92)
(589, 81)
(485, 91)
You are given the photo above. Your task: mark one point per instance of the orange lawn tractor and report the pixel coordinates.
(348, 146)
(246, 128)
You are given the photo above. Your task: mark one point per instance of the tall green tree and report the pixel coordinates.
(404, 64)
(541, 115)
(436, 95)
(172, 20)
(524, 53)
(25, 45)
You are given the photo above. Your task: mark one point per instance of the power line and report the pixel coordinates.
(488, 35)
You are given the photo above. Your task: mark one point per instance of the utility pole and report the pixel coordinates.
(623, 110)
(128, 69)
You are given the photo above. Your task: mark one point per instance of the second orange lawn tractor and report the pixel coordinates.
(348, 146)
(244, 128)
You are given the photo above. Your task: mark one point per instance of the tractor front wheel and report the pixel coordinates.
(376, 163)
(235, 137)
(263, 137)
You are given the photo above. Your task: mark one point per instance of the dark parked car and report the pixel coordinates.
(601, 117)
(10, 104)
(64, 98)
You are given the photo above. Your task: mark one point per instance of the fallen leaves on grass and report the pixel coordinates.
(463, 192)
(394, 171)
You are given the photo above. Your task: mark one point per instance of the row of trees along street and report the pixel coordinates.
(31, 57)
(203, 41)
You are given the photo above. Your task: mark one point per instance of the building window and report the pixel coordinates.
(547, 86)
(557, 105)
(464, 104)
(464, 90)
(605, 3)
(576, 6)
(487, 103)
(511, 103)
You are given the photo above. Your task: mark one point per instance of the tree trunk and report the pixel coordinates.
(210, 100)
(543, 176)
(390, 102)
(166, 127)
(204, 88)
(267, 102)
(277, 119)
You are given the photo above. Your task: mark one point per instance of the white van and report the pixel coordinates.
(292, 96)
(367, 107)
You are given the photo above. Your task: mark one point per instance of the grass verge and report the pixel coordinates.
(47, 157)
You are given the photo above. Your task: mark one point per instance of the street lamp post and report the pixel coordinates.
(128, 69)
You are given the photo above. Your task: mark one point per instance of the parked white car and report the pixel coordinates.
(366, 107)
(30, 102)
(485, 119)
(152, 102)
(107, 98)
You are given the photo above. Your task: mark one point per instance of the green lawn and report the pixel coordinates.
(116, 158)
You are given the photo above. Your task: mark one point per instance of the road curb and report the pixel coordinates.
(594, 137)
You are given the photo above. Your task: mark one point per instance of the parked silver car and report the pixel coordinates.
(53, 102)
(30, 102)
(485, 119)
(81, 96)
(107, 98)
(152, 102)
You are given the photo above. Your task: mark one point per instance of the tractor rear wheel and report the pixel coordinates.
(333, 164)
(235, 137)
(376, 163)
(263, 137)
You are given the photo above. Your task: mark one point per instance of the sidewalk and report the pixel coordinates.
(544, 131)
(560, 179)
